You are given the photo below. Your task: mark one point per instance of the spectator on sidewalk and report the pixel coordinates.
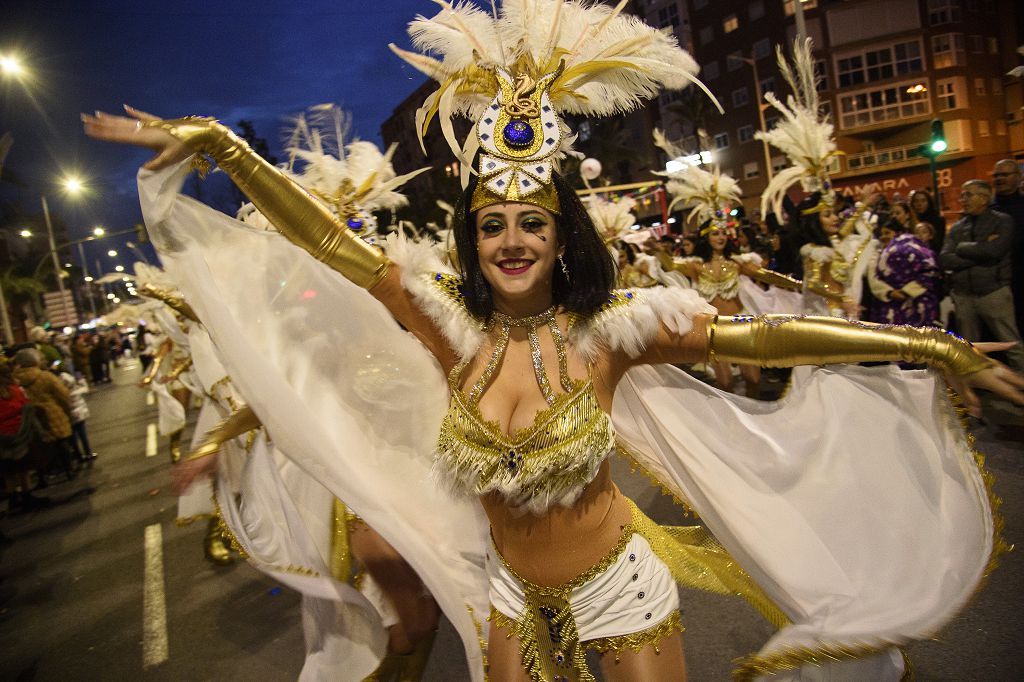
(1006, 179)
(976, 254)
(77, 388)
(923, 204)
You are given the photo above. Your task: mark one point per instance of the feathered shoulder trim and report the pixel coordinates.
(435, 288)
(749, 257)
(818, 253)
(631, 319)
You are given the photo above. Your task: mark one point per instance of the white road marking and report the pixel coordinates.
(151, 446)
(154, 605)
(149, 398)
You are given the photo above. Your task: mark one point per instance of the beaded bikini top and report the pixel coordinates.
(548, 462)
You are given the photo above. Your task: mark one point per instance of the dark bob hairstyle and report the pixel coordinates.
(703, 248)
(591, 270)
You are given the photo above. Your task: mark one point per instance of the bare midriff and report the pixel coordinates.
(727, 306)
(559, 545)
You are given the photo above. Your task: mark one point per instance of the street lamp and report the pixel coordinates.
(10, 65)
(98, 231)
(26, 233)
(119, 268)
(72, 185)
(112, 253)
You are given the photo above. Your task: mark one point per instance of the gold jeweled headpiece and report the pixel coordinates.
(519, 135)
(517, 70)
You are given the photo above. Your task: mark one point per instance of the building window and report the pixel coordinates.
(751, 170)
(788, 6)
(983, 129)
(879, 64)
(740, 98)
(745, 133)
(997, 86)
(668, 16)
(771, 122)
(755, 10)
(779, 163)
(700, 4)
(722, 141)
(734, 60)
(821, 74)
(950, 94)
(767, 84)
(730, 24)
(976, 44)
(1000, 127)
(993, 46)
(979, 86)
(943, 11)
(948, 50)
(710, 71)
(706, 35)
(888, 103)
(761, 49)
(908, 57)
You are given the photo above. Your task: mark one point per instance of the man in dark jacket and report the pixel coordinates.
(1010, 200)
(976, 255)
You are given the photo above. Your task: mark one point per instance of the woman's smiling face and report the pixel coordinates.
(517, 245)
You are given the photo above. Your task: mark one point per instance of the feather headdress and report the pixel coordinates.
(353, 179)
(804, 133)
(709, 195)
(516, 69)
(613, 219)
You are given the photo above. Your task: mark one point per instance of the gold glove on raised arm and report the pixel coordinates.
(174, 300)
(776, 279)
(177, 370)
(296, 214)
(158, 359)
(234, 425)
(787, 341)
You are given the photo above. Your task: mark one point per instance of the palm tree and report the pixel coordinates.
(694, 108)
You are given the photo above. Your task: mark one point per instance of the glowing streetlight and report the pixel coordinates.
(88, 278)
(10, 65)
(67, 265)
(25, 233)
(73, 184)
(110, 296)
(117, 300)
(119, 268)
(126, 279)
(98, 231)
(112, 253)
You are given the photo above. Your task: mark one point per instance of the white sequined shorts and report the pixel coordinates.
(635, 593)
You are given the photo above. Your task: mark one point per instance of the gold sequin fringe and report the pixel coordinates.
(637, 641)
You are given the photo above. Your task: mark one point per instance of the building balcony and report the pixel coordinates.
(900, 156)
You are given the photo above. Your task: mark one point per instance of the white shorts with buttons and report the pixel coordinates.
(634, 594)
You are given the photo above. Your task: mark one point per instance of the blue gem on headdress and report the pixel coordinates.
(490, 165)
(545, 108)
(719, 213)
(549, 141)
(494, 107)
(354, 223)
(488, 120)
(549, 124)
(540, 169)
(500, 183)
(827, 185)
(518, 133)
(485, 136)
(526, 183)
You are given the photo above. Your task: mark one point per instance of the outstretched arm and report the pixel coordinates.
(787, 341)
(202, 461)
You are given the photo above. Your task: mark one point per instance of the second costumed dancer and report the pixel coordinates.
(538, 534)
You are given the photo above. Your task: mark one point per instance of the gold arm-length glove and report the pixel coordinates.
(178, 369)
(173, 300)
(234, 425)
(158, 360)
(788, 341)
(850, 224)
(777, 279)
(817, 284)
(297, 215)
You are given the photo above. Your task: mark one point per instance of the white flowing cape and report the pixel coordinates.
(855, 502)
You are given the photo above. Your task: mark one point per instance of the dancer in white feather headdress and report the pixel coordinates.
(526, 524)
(722, 276)
(836, 251)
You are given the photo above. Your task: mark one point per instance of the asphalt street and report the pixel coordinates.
(72, 579)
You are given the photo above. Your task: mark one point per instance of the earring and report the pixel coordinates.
(565, 269)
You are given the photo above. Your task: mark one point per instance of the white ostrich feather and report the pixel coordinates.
(705, 193)
(611, 218)
(612, 61)
(804, 133)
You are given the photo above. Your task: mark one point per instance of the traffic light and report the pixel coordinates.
(938, 142)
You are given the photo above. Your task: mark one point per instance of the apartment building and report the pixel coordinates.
(887, 69)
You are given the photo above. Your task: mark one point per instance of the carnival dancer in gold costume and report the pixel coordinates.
(570, 563)
(836, 251)
(720, 275)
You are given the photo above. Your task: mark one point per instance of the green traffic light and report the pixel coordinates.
(939, 146)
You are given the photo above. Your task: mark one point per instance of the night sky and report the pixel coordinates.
(260, 60)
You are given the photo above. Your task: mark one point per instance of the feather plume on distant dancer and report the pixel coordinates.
(804, 133)
(706, 193)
